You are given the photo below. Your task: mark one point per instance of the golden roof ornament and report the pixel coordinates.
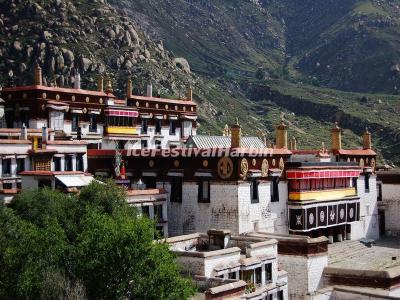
(109, 88)
(225, 132)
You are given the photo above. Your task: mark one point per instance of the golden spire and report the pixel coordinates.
(236, 135)
(38, 75)
(225, 132)
(189, 94)
(336, 137)
(100, 83)
(109, 88)
(281, 136)
(129, 89)
(367, 144)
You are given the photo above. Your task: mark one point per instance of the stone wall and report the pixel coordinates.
(191, 216)
(391, 200)
(264, 216)
(368, 226)
(304, 273)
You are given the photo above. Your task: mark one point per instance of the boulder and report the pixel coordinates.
(68, 55)
(17, 46)
(47, 35)
(182, 63)
(22, 67)
(60, 62)
(85, 63)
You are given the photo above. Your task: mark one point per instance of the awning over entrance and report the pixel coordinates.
(315, 174)
(75, 181)
(121, 113)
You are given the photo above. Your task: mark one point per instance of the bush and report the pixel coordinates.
(87, 246)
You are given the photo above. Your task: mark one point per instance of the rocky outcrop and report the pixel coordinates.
(89, 37)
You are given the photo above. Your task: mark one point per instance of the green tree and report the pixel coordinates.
(92, 245)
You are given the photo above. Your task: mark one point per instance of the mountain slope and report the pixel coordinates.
(219, 38)
(350, 45)
(251, 59)
(346, 44)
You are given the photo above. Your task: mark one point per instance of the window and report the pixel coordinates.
(187, 128)
(176, 189)
(24, 116)
(121, 145)
(143, 144)
(280, 295)
(258, 273)
(75, 122)
(150, 182)
(172, 127)
(158, 126)
(144, 126)
(268, 272)
(10, 118)
(366, 182)
(7, 166)
(146, 211)
(158, 213)
(68, 163)
(7, 186)
(158, 144)
(79, 163)
(204, 191)
(380, 192)
(57, 163)
(232, 275)
(275, 189)
(160, 230)
(247, 276)
(271, 297)
(56, 120)
(254, 191)
(20, 165)
(92, 123)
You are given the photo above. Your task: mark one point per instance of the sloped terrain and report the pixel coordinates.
(282, 54)
(258, 60)
(89, 37)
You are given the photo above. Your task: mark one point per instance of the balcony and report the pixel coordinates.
(125, 130)
(334, 194)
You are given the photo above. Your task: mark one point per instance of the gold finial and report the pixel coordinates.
(367, 141)
(281, 136)
(294, 143)
(100, 83)
(189, 94)
(109, 88)
(236, 135)
(225, 132)
(336, 137)
(38, 75)
(129, 89)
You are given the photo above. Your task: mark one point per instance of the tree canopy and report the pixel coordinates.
(87, 246)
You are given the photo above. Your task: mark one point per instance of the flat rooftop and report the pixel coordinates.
(354, 255)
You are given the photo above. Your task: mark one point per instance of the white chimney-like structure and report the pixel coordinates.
(149, 90)
(77, 81)
(24, 133)
(44, 136)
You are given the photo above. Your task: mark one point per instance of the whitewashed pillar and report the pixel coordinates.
(74, 162)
